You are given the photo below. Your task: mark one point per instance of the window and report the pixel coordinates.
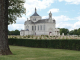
(41, 27)
(38, 27)
(35, 27)
(32, 27)
(34, 19)
(44, 27)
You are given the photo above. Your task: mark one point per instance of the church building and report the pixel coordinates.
(38, 26)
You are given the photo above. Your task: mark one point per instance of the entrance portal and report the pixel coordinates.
(50, 33)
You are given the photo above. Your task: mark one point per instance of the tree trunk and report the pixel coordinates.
(4, 47)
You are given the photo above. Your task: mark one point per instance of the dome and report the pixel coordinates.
(35, 14)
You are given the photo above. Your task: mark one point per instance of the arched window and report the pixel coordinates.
(32, 27)
(38, 27)
(44, 27)
(35, 27)
(41, 27)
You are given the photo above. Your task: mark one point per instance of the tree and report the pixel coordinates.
(8, 15)
(15, 9)
(75, 32)
(78, 31)
(64, 30)
(71, 32)
(16, 32)
(4, 48)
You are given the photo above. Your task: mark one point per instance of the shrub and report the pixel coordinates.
(28, 36)
(24, 36)
(58, 43)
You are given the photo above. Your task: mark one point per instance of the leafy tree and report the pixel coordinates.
(64, 30)
(71, 32)
(78, 31)
(8, 14)
(15, 9)
(75, 32)
(16, 32)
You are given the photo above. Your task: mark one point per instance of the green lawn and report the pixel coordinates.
(27, 53)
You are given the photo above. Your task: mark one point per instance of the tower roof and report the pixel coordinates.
(35, 14)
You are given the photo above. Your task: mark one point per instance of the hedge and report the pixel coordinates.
(57, 44)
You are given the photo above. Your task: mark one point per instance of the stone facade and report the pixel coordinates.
(38, 26)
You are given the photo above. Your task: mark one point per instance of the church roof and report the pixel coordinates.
(39, 21)
(35, 14)
(42, 21)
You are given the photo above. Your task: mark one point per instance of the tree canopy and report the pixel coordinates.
(75, 32)
(16, 32)
(15, 9)
(64, 30)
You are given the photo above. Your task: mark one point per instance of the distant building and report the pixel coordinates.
(38, 26)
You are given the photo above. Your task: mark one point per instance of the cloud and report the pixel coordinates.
(76, 25)
(53, 10)
(21, 20)
(16, 26)
(78, 18)
(61, 18)
(71, 1)
(45, 17)
(63, 22)
(39, 4)
(64, 25)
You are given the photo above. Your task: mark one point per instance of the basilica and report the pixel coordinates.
(38, 26)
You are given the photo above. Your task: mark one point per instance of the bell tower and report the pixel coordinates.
(50, 17)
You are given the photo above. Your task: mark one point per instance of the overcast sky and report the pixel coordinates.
(65, 12)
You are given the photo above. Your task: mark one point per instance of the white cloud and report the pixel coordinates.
(61, 18)
(64, 25)
(21, 20)
(78, 18)
(44, 17)
(62, 22)
(16, 26)
(53, 10)
(76, 25)
(71, 1)
(39, 4)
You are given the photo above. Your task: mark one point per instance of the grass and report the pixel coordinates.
(27, 53)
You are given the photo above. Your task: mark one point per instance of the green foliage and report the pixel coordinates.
(71, 32)
(36, 37)
(75, 32)
(28, 36)
(15, 9)
(46, 36)
(78, 31)
(59, 44)
(24, 36)
(16, 32)
(64, 30)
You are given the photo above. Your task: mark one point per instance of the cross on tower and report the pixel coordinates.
(35, 9)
